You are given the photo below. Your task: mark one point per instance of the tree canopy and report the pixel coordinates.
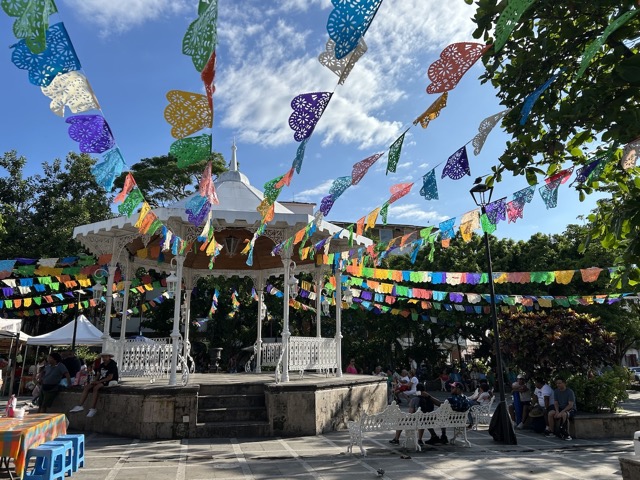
(590, 108)
(164, 183)
(40, 211)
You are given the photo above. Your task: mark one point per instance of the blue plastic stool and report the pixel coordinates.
(68, 454)
(78, 449)
(49, 462)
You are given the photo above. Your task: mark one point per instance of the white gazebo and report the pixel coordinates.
(235, 220)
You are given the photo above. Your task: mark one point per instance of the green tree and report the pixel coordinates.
(41, 211)
(599, 106)
(163, 183)
(558, 340)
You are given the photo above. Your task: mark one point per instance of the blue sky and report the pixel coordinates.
(267, 53)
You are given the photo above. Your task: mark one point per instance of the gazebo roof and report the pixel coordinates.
(235, 216)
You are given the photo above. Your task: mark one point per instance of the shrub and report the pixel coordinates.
(601, 392)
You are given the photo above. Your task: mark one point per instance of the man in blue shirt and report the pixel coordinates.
(458, 402)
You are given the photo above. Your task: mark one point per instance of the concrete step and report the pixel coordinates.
(210, 415)
(232, 430)
(225, 389)
(230, 401)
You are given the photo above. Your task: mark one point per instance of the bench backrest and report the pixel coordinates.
(449, 418)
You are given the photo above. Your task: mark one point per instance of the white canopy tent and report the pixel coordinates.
(10, 327)
(86, 334)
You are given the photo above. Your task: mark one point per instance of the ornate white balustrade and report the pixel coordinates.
(312, 353)
(147, 358)
(270, 354)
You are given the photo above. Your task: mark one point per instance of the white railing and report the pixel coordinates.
(270, 354)
(312, 353)
(148, 358)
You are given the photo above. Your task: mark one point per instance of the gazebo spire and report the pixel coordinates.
(233, 164)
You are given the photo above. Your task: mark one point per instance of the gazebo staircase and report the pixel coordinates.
(232, 411)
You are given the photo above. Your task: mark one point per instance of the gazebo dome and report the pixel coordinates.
(236, 217)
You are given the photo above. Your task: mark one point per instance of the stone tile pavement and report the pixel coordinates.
(324, 457)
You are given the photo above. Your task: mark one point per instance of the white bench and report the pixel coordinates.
(392, 418)
(481, 413)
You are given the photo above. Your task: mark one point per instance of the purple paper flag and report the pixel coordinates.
(457, 165)
(326, 204)
(92, 132)
(496, 211)
(307, 110)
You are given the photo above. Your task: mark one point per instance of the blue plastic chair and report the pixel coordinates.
(68, 453)
(49, 463)
(78, 449)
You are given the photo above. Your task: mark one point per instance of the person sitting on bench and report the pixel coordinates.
(108, 376)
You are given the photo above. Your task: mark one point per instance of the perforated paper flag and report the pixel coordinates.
(201, 37)
(32, 20)
(348, 22)
(307, 110)
(455, 60)
(187, 113)
(58, 57)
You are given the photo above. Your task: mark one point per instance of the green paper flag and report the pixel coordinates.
(487, 226)
(596, 45)
(191, 150)
(394, 153)
(32, 21)
(130, 203)
(508, 20)
(200, 40)
(384, 212)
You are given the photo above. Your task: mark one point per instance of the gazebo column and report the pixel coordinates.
(107, 311)
(338, 278)
(318, 276)
(286, 260)
(175, 333)
(261, 316)
(125, 307)
(186, 345)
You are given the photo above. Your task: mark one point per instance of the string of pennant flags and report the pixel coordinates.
(47, 54)
(499, 210)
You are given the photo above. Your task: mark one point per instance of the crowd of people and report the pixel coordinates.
(534, 405)
(62, 369)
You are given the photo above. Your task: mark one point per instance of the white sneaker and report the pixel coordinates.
(520, 426)
(92, 412)
(76, 409)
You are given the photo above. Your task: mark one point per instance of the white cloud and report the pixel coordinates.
(321, 189)
(414, 213)
(423, 165)
(272, 64)
(122, 15)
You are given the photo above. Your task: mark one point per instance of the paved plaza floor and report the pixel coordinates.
(324, 457)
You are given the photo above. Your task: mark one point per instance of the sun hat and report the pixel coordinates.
(107, 354)
(456, 385)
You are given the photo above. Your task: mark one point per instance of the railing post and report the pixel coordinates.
(286, 260)
(175, 333)
(107, 311)
(260, 285)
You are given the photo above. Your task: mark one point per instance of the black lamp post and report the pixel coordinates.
(481, 193)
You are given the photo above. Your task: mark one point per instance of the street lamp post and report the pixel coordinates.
(481, 194)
